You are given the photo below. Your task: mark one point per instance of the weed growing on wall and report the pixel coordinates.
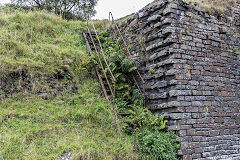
(213, 6)
(151, 71)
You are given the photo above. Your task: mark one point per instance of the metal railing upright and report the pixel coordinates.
(96, 68)
(113, 91)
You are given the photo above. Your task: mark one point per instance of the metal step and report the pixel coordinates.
(124, 114)
(126, 106)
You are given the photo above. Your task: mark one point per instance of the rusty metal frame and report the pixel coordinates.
(119, 32)
(113, 92)
(96, 68)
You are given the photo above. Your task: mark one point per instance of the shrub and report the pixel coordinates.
(156, 145)
(153, 141)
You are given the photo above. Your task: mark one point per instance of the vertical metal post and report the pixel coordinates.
(135, 138)
(125, 43)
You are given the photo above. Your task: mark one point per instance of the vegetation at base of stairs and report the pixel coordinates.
(156, 145)
(153, 141)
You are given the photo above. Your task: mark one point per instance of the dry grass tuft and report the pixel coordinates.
(213, 6)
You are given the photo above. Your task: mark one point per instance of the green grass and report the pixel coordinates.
(40, 43)
(42, 54)
(84, 124)
(37, 47)
(213, 6)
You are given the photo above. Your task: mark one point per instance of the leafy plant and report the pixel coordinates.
(141, 117)
(137, 98)
(235, 50)
(121, 66)
(120, 102)
(151, 71)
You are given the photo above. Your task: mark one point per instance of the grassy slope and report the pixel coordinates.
(213, 6)
(84, 124)
(37, 47)
(41, 45)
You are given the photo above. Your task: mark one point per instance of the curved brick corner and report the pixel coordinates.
(194, 60)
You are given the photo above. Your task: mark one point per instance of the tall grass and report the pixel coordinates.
(39, 43)
(37, 50)
(83, 124)
(41, 53)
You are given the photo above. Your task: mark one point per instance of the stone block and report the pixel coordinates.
(180, 115)
(192, 109)
(197, 103)
(174, 104)
(154, 18)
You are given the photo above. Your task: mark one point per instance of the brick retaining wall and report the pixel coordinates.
(191, 63)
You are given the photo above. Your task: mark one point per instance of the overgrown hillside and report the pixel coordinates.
(83, 124)
(51, 104)
(36, 48)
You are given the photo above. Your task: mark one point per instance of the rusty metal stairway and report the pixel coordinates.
(94, 45)
(109, 90)
(91, 44)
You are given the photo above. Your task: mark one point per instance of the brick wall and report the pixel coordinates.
(191, 63)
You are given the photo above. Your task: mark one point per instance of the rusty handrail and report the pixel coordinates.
(100, 45)
(99, 60)
(135, 140)
(116, 35)
(104, 57)
(97, 70)
(88, 45)
(119, 32)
